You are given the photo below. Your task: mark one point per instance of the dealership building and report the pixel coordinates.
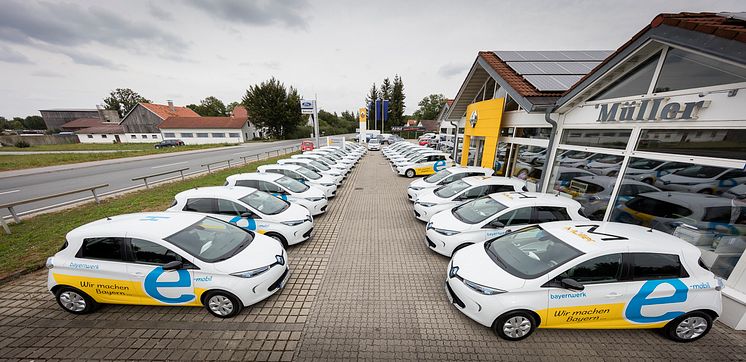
(652, 134)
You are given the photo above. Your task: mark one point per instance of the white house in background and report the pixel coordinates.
(105, 133)
(206, 130)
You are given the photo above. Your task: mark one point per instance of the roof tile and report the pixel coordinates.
(164, 111)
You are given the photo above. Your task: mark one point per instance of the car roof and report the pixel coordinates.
(264, 176)
(520, 199)
(692, 200)
(158, 225)
(597, 236)
(493, 180)
(300, 160)
(277, 166)
(462, 169)
(222, 192)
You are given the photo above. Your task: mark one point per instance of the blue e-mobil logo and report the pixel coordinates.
(153, 287)
(633, 312)
(281, 196)
(439, 165)
(238, 221)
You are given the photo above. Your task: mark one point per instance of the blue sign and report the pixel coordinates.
(385, 109)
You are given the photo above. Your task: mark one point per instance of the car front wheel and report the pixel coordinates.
(515, 326)
(409, 173)
(75, 301)
(688, 327)
(222, 304)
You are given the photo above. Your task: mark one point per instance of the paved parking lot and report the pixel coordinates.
(366, 287)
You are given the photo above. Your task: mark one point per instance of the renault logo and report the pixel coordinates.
(473, 119)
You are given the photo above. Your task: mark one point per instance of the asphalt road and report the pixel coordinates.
(118, 175)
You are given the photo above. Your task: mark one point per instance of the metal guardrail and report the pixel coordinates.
(11, 205)
(215, 163)
(146, 177)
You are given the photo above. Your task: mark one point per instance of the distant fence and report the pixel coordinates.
(35, 140)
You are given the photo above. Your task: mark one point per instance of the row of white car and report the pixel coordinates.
(522, 260)
(410, 160)
(221, 247)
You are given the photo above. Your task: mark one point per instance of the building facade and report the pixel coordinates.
(206, 130)
(653, 135)
(141, 123)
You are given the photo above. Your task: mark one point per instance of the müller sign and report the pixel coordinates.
(649, 110)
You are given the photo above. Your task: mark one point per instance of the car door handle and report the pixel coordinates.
(138, 274)
(613, 295)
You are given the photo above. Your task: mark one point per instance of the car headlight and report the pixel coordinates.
(251, 273)
(293, 222)
(426, 204)
(429, 225)
(445, 232)
(315, 198)
(481, 288)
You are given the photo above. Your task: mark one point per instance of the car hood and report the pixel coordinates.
(475, 265)
(420, 182)
(261, 252)
(294, 212)
(310, 193)
(428, 195)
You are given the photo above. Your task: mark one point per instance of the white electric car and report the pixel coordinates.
(346, 161)
(702, 179)
(345, 169)
(250, 209)
(647, 171)
(585, 275)
(165, 258)
(494, 215)
(433, 201)
(425, 164)
(314, 166)
(283, 187)
(374, 144)
(444, 177)
(305, 176)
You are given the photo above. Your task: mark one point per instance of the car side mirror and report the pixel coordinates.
(571, 284)
(247, 214)
(173, 265)
(496, 224)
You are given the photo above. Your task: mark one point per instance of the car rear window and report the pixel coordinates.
(106, 248)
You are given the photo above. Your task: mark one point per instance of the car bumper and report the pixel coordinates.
(270, 283)
(469, 302)
(300, 233)
(425, 213)
(440, 243)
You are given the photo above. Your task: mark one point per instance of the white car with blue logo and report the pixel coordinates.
(702, 179)
(305, 176)
(283, 187)
(347, 150)
(315, 166)
(425, 164)
(166, 259)
(250, 209)
(433, 201)
(588, 275)
(493, 215)
(444, 177)
(344, 169)
(397, 148)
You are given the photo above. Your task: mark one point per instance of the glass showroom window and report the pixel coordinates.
(528, 162)
(607, 138)
(636, 82)
(720, 143)
(533, 132)
(589, 178)
(702, 204)
(685, 70)
(501, 158)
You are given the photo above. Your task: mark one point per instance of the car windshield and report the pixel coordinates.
(476, 211)
(374, 140)
(416, 158)
(292, 185)
(320, 165)
(451, 189)
(699, 171)
(530, 252)
(437, 176)
(265, 203)
(643, 164)
(211, 240)
(308, 173)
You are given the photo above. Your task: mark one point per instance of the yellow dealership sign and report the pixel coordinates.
(483, 120)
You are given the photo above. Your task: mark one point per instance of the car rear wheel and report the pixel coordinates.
(515, 326)
(409, 173)
(689, 327)
(222, 304)
(75, 301)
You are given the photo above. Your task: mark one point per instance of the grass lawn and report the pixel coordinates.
(18, 162)
(35, 239)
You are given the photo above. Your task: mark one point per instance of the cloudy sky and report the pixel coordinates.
(65, 54)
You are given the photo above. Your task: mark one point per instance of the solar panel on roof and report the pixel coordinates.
(552, 55)
(548, 83)
(524, 68)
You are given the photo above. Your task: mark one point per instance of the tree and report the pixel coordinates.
(396, 104)
(210, 107)
(34, 122)
(370, 101)
(430, 106)
(123, 100)
(231, 106)
(385, 92)
(272, 106)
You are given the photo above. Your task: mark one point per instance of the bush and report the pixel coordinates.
(300, 132)
(22, 144)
